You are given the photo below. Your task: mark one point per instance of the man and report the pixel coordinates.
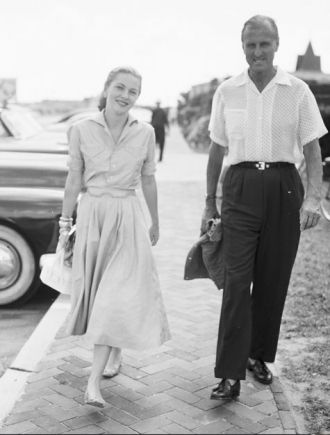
(159, 121)
(267, 120)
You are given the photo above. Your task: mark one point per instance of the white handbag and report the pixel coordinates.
(55, 273)
(56, 269)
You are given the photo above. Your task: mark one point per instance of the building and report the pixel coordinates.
(309, 61)
(308, 68)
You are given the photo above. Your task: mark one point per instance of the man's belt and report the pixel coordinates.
(261, 166)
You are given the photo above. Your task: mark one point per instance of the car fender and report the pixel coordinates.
(34, 214)
(33, 170)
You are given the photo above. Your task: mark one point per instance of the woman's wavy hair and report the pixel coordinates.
(111, 76)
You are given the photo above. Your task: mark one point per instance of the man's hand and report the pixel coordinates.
(210, 212)
(309, 213)
(214, 165)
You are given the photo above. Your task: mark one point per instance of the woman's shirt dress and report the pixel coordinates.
(116, 298)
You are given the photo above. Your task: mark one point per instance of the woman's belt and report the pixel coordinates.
(261, 166)
(112, 192)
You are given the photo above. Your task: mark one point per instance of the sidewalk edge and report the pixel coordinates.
(298, 420)
(13, 381)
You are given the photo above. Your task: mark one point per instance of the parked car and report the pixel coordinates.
(32, 177)
(20, 132)
(31, 195)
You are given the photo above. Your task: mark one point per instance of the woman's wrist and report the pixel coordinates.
(65, 217)
(65, 222)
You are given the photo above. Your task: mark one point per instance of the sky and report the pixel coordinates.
(64, 49)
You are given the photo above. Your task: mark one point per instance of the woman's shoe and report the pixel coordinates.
(99, 403)
(110, 372)
(113, 367)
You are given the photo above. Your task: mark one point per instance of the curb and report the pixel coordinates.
(282, 399)
(13, 382)
(291, 403)
(284, 406)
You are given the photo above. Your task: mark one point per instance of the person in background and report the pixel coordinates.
(116, 299)
(159, 121)
(267, 120)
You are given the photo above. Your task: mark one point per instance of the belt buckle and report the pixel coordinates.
(261, 166)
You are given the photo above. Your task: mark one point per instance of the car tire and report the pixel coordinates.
(18, 268)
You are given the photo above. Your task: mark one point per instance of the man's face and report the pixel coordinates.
(259, 45)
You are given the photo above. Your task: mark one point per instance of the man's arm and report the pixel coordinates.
(214, 166)
(310, 211)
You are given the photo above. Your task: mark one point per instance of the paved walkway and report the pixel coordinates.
(166, 390)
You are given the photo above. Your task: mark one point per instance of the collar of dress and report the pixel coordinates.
(100, 119)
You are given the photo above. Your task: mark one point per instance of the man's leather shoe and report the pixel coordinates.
(226, 391)
(260, 371)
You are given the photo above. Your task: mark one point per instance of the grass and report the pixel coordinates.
(305, 345)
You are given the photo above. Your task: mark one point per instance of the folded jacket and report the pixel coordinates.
(205, 258)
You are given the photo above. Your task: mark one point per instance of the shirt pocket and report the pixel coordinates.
(235, 122)
(136, 153)
(96, 158)
(92, 150)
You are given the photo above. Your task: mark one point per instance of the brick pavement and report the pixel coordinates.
(165, 390)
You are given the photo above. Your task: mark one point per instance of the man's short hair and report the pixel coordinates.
(261, 19)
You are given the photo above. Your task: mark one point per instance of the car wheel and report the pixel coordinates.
(18, 268)
(325, 208)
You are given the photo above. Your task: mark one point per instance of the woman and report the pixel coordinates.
(116, 299)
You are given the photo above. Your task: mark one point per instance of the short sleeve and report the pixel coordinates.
(75, 160)
(217, 120)
(149, 164)
(311, 125)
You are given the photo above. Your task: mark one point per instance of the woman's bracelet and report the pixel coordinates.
(65, 218)
(65, 222)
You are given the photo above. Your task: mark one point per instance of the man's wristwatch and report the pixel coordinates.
(210, 197)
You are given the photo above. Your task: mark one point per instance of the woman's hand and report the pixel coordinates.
(154, 234)
(62, 239)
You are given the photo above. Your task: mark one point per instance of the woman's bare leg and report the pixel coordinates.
(113, 365)
(100, 358)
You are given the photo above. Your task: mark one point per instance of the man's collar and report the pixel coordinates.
(242, 79)
(281, 78)
(99, 118)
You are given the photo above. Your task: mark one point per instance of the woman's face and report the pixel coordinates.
(122, 93)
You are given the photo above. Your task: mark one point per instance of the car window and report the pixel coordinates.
(20, 124)
(3, 131)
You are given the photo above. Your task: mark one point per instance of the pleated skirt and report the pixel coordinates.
(116, 298)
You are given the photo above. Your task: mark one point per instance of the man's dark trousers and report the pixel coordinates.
(261, 231)
(160, 139)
